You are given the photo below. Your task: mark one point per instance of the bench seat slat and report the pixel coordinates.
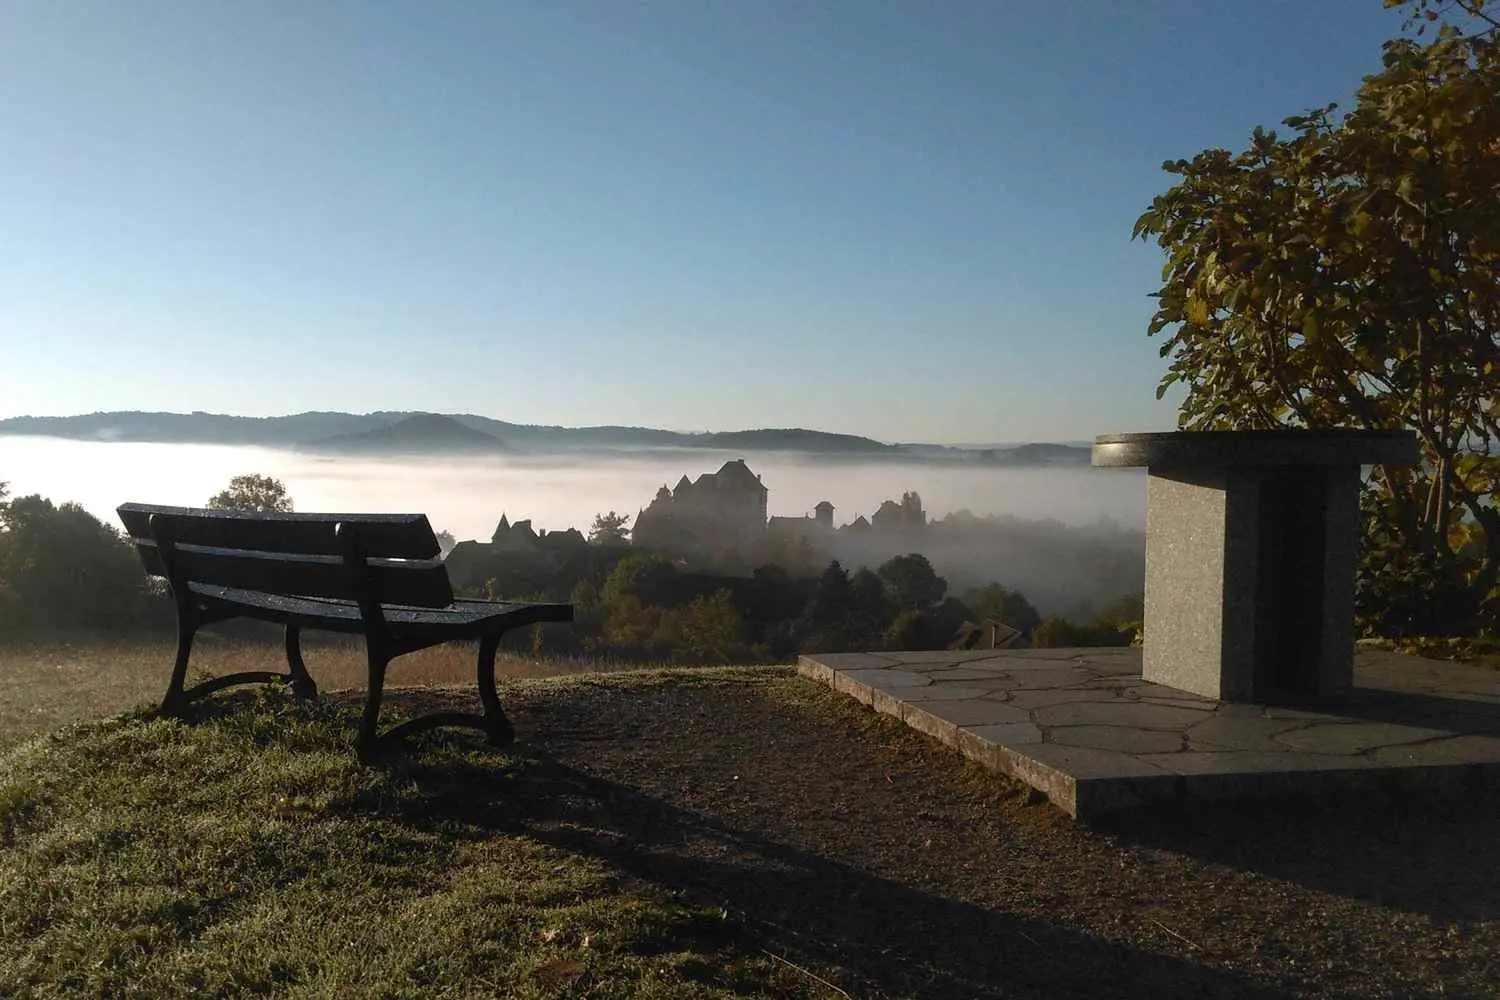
(462, 619)
(391, 536)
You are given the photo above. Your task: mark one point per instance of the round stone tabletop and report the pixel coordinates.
(1262, 449)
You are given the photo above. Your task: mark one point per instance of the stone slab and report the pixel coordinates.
(853, 661)
(1121, 738)
(1121, 712)
(1061, 724)
(1255, 449)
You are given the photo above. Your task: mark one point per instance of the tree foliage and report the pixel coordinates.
(610, 529)
(252, 492)
(648, 577)
(828, 609)
(61, 568)
(1348, 275)
(994, 601)
(913, 583)
(711, 628)
(869, 608)
(1468, 16)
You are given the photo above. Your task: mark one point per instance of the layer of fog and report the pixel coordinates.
(467, 495)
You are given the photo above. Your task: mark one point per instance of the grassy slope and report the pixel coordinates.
(249, 853)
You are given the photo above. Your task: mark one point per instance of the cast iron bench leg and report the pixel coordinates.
(299, 680)
(496, 726)
(369, 739)
(493, 723)
(174, 697)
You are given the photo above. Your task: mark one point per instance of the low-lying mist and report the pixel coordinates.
(467, 496)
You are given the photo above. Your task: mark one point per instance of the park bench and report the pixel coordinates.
(375, 575)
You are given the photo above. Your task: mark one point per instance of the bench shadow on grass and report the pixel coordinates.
(889, 939)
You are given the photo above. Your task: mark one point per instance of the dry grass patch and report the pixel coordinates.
(44, 685)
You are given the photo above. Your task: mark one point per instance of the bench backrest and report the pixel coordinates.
(384, 558)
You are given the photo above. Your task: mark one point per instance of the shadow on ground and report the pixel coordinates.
(883, 937)
(840, 840)
(1429, 856)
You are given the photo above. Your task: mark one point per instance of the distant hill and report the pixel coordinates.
(197, 427)
(1042, 454)
(405, 432)
(419, 434)
(793, 439)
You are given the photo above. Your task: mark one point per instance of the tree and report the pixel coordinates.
(610, 529)
(446, 542)
(648, 577)
(913, 583)
(909, 630)
(1420, 13)
(829, 604)
(1055, 633)
(1124, 614)
(827, 613)
(629, 624)
(870, 608)
(1349, 276)
(63, 568)
(711, 628)
(994, 601)
(252, 492)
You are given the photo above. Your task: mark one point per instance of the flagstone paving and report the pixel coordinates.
(1081, 726)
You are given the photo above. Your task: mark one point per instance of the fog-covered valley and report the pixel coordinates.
(1096, 513)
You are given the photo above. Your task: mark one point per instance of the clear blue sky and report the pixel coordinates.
(906, 220)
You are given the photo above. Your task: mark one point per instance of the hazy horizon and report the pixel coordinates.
(1079, 442)
(467, 496)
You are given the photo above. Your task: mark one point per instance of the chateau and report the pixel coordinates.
(718, 513)
(727, 510)
(724, 508)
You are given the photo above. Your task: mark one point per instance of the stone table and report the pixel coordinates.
(1251, 543)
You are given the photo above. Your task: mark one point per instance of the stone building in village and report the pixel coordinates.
(724, 509)
(905, 517)
(513, 547)
(819, 527)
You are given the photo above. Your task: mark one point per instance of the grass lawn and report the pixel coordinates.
(724, 833)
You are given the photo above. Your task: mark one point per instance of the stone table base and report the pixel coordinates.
(1081, 726)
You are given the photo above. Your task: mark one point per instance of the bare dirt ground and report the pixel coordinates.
(865, 850)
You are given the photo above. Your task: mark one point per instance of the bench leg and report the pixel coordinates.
(369, 726)
(174, 697)
(496, 726)
(301, 682)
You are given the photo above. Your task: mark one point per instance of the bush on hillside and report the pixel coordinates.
(61, 568)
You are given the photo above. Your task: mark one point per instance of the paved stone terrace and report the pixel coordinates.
(1082, 727)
